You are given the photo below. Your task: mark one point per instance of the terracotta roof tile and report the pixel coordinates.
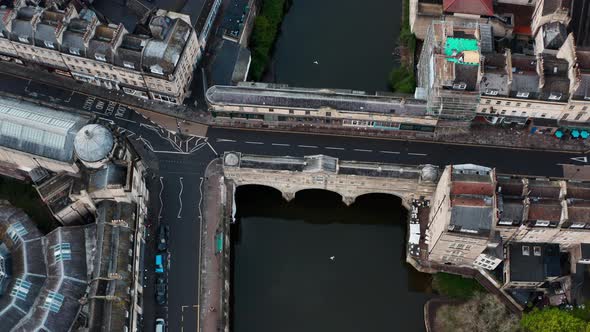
(477, 7)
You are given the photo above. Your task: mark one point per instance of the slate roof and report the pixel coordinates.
(477, 7)
(472, 219)
(533, 268)
(112, 246)
(296, 98)
(163, 54)
(38, 130)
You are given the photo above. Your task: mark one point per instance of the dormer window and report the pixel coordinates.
(492, 92)
(460, 86)
(537, 251)
(23, 39)
(130, 65)
(554, 96)
(526, 251)
(49, 44)
(74, 50)
(522, 94)
(100, 57)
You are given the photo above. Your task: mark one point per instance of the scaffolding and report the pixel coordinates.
(449, 72)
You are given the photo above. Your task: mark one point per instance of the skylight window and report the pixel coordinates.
(62, 252)
(20, 289)
(100, 57)
(53, 302)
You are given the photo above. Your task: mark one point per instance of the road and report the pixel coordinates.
(175, 190)
(511, 161)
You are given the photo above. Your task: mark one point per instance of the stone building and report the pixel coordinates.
(280, 105)
(463, 215)
(154, 63)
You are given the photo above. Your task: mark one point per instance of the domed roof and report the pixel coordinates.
(429, 173)
(93, 143)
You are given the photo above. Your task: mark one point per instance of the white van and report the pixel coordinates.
(160, 325)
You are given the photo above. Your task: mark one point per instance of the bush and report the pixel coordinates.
(402, 80)
(483, 313)
(264, 34)
(552, 320)
(456, 286)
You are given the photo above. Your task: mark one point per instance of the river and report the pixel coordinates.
(284, 277)
(352, 41)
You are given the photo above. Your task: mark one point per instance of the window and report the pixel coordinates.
(581, 114)
(484, 110)
(498, 102)
(53, 301)
(23, 39)
(537, 251)
(554, 96)
(523, 114)
(75, 51)
(100, 57)
(62, 252)
(565, 116)
(508, 103)
(49, 44)
(543, 115)
(156, 70)
(128, 65)
(526, 251)
(16, 230)
(307, 112)
(528, 105)
(328, 113)
(491, 92)
(572, 107)
(291, 112)
(20, 289)
(488, 101)
(503, 112)
(270, 110)
(460, 86)
(522, 94)
(518, 104)
(584, 108)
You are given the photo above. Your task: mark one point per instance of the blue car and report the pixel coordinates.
(159, 263)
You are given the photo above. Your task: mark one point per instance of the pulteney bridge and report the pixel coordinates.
(350, 179)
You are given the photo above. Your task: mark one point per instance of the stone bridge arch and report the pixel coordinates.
(349, 179)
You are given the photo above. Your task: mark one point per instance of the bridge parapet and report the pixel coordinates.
(350, 179)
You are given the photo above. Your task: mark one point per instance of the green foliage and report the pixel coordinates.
(482, 313)
(264, 34)
(552, 320)
(456, 286)
(402, 80)
(406, 36)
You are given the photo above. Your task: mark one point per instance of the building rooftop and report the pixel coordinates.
(496, 75)
(544, 189)
(38, 130)
(546, 210)
(510, 187)
(579, 24)
(551, 6)
(557, 83)
(476, 7)
(475, 220)
(309, 99)
(533, 262)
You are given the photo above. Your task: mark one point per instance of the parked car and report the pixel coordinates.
(160, 290)
(160, 262)
(163, 237)
(160, 325)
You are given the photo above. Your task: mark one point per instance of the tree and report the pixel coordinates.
(482, 313)
(552, 320)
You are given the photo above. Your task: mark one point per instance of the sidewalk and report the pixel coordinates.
(213, 310)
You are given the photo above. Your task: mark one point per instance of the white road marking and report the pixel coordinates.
(363, 150)
(390, 152)
(210, 146)
(200, 199)
(333, 148)
(225, 140)
(580, 159)
(417, 154)
(280, 144)
(249, 142)
(161, 203)
(180, 197)
(308, 146)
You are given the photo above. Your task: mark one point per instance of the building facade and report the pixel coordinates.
(156, 63)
